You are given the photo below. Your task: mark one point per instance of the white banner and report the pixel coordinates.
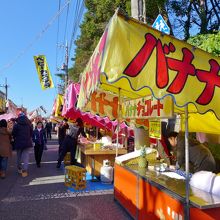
(148, 107)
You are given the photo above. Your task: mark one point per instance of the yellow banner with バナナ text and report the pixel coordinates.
(43, 72)
(135, 60)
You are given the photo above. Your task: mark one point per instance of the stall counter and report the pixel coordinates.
(92, 159)
(147, 194)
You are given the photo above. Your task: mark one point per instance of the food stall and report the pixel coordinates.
(133, 60)
(150, 194)
(92, 157)
(70, 111)
(91, 154)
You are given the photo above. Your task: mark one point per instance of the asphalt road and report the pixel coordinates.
(43, 195)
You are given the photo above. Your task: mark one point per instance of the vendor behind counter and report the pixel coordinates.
(163, 146)
(200, 157)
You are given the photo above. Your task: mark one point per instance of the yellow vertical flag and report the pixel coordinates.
(59, 106)
(43, 72)
(2, 102)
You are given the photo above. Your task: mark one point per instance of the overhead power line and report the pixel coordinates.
(78, 17)
(58, 30)
(38, 36)
(65, 30)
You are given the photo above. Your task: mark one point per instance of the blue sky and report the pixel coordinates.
(20, 23)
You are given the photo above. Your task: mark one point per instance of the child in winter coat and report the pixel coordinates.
(40, 140)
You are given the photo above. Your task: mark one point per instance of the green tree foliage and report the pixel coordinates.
(207, 42)
(185, 18)
(95, 20)
(155, 7)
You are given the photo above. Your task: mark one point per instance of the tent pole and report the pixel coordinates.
(118, 119)
(117, 139)
(187, 208)
(97, 132)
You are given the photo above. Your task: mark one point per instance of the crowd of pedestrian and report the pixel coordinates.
(21, 135)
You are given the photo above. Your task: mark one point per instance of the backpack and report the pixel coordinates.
(73, 132)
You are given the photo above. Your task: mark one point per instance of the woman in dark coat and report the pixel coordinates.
(22, 134)
(70, 142)
(5, 147)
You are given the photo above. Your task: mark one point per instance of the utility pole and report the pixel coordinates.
(144, 12)
(66, 65)
(64, 68)
(6, 88)
(134, 9)
(141, 136)
(138, 10)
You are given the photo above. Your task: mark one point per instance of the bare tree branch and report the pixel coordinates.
(217, 4)
(187, 23)
(206, 6)
(196, 9)
(194, 21)
(209, 15)
(216, 13)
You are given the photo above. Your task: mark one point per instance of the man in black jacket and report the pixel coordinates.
(70, 142)
(48, 128)
(62, 129)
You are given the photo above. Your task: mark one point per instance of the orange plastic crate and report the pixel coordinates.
(75, 177)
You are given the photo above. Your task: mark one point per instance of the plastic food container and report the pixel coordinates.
(97, 146)
(161, 167)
